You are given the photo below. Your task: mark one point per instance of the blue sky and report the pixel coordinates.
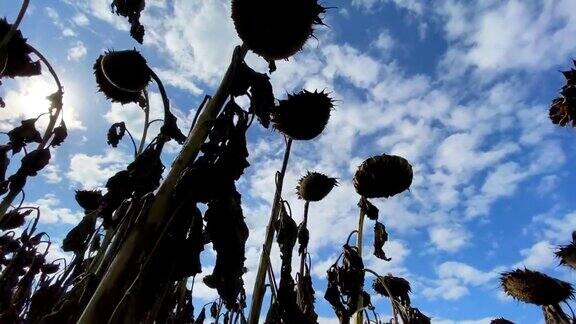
(459, 88)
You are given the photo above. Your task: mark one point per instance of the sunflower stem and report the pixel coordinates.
(7, 201)
(106, 294)
(259, 284)
(146, 122)
(15, 25)
(304, 225)
(359, 316)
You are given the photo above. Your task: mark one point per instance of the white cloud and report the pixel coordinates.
(449, 238)
(77, 52)
(538, 257)
(414, 6)
(498, 36)
(81, 20)
(92, 171)
(51, 211)
(385, 42)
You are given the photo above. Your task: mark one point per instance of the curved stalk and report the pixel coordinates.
(133, 142)
(146, 123)
(16, 24)
(259, 287)
(106, 294)
(391, 297)
(9, 198)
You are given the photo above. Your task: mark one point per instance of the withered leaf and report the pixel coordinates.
(380, 238)
(23, 134)
(116, 133)
(14, 219)
(303, 238)
(60, 134)
(17, 61)
(34, 162)
(131, 9)
(170, 128)
(77, 238)
(368, 208)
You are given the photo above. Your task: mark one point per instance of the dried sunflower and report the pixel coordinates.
(398, 287)
(15, 58)
(501, 320)
(383, 176)
(534, 287)
(303, 115)
(277, 29)
(563, 111)
(122, 75)
(315, 186)
(567, 254)
(89, 200)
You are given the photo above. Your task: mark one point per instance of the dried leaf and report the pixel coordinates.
(60, 134)
(380, 238)
(116, 133)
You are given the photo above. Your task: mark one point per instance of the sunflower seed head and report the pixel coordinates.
(383, 176)
(278, 29)
(303, 115)
(535, 288)
(314, 186)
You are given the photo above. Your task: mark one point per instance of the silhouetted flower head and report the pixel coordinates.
(399, 287)
(122, 75)
(277, 29)
(315, 186)
(14, 58)
(304, 115)
(383, 176)
(562, 111)
(534, 287)
(501, 320)
(89, 200)
(567, 255)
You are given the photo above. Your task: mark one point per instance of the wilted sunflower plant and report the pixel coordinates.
(381, 176)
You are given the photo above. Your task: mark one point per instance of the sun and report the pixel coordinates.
(27, 98)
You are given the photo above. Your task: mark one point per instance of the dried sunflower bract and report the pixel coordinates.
(536, 288)
(314, 186)
(383, 176)
(304, 115)
(122, 75)
(277, 29)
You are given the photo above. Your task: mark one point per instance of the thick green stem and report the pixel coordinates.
(107, 294)
(259, 284)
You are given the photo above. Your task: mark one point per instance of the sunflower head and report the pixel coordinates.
(535, 288)
(383, 176)
(501, 320)
(315, 186)
(303, 115)
(122, 75)
(567, 255)
(15, 58)
(88, 199)
(398, 287)
(276, 29)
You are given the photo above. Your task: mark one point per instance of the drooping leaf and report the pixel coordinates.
(116, 133)
(380, 238)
